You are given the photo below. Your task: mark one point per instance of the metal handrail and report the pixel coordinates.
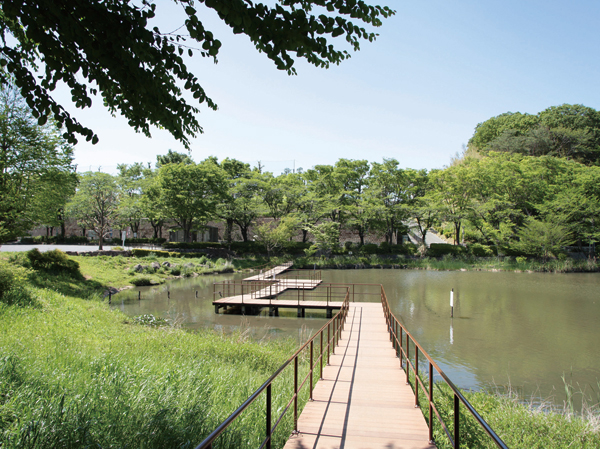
(333, 336)
(251, 289)
(263, 276)
(397, 331)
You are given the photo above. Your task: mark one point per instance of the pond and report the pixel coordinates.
(526, 330)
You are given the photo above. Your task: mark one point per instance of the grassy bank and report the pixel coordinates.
(519, 424)
(74, 373)
(103, 272)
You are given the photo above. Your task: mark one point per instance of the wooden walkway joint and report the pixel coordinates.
(363, 400)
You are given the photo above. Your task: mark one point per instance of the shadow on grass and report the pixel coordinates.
(67, 284)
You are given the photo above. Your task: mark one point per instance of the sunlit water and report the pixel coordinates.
(526, 330)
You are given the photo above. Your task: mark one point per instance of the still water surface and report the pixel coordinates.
(524, 329)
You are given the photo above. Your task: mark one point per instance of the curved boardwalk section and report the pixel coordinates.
(363, 400)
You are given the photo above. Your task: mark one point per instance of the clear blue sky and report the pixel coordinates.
(416, 94)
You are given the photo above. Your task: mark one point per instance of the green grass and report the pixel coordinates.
(518, 424)
(74, 373)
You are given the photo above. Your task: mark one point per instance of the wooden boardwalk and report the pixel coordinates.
(363, 400)
(272, 273)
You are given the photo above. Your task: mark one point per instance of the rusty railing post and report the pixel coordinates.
(268, 445)
(430, 403)
(311, 370)
(296, 394)
(416, 376)
(407, 357)
(321, 353)
(333, 336)
(456, 422)
(328, 341)
(401, 355)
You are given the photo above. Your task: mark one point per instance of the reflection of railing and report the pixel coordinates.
(333, 328)
(397, 332)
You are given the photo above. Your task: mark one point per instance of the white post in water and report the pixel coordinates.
(452, 303)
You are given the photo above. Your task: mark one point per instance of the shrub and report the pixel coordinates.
(9, 277)
(248, 247)
(53, 261)
(12, 279)
(440, 249)
(152, 253)
(135, 241)
(194, 245)
(385, 247)
(369, 248)
(479, 250)
(141, 281)
(406, 248)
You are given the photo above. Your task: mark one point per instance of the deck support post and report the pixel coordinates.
(216, 308)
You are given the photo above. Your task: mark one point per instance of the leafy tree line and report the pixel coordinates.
(510, 202)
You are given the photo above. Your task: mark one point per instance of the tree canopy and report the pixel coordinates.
(114, 49)
(571, 131)
(36, 172)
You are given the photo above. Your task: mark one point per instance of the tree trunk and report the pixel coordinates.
(135, 226)
(304, 235)
(457, 234)
(100, 241)
(228, 230)
(244, 231)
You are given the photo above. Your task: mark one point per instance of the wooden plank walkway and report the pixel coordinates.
(363, 400)
(273, 272)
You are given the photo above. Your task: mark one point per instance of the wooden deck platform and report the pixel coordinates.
(264, 296)
(363, 400)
